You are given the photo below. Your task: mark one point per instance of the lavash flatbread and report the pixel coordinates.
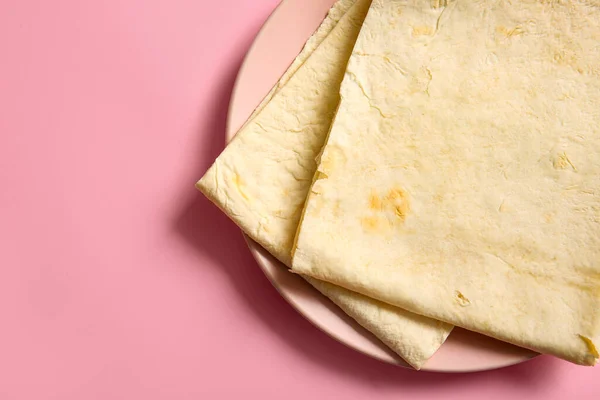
(335, 13)
(461, 177)
(262, 178)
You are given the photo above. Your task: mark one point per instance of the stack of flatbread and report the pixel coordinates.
(426, 164)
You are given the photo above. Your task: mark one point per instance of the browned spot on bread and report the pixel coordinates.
(462, 300)
(400, 212)
(375, 202)
(370, 223)
(386, 211)
(590, 346)
(237, 181)
(422, 31)
(435, 4)
(332, 159)
(562, 161)
(509, 32)
(397, 200)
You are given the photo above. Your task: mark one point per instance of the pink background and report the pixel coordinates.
(117, 279)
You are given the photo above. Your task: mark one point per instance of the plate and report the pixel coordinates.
(275, 47)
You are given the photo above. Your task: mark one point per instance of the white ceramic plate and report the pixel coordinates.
(278, 43)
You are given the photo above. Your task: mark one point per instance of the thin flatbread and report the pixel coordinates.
(461, 177)
(262, 178)
(335, 13)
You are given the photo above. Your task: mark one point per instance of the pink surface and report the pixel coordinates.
(117, 279)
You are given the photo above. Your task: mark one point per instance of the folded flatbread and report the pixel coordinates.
(262, 178)
(461, 176)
